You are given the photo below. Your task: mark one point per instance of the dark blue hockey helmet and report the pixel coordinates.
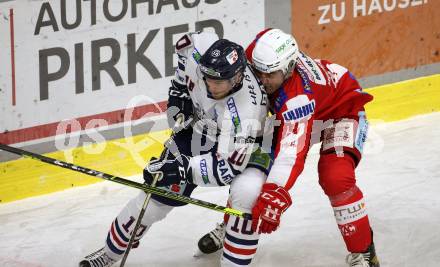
(223, 60)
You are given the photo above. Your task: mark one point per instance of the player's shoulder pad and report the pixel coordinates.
(254, 87)
(336, 71)
(252, 99)
(195, 41)
(251, 77)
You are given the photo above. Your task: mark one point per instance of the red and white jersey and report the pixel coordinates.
(316, 92)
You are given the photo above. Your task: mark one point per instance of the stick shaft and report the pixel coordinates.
(145, 187)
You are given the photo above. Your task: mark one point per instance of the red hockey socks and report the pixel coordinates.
(352, 219)
(337, 179)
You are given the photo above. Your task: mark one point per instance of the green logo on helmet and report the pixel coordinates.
(282, 47)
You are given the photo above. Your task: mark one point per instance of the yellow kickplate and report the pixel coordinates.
(405, 99)
(25, 177)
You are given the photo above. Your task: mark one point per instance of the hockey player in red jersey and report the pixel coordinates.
(315, 101)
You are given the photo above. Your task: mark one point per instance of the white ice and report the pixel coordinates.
(399, 175)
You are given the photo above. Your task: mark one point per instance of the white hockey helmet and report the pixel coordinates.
(275, 50)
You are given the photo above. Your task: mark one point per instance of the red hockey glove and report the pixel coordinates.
(272, 202)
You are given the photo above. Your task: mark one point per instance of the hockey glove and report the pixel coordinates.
(272, 202)
(172, 170)
(179, 103)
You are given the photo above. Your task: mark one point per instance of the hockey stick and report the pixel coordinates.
(144, 187)
(177, 127)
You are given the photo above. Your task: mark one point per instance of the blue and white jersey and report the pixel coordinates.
(231, 125)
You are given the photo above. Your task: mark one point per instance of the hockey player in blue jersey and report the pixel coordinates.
(215, 86)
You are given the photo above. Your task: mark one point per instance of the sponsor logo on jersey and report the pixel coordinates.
(252, 93)
(204, 171)
(255, 87)
(300, 112)
(234, 115)
(232, 57)
(224, 171)
(305, 79)
(313, 67)
(196, 55)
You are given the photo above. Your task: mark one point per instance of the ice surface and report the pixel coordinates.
(399, 175)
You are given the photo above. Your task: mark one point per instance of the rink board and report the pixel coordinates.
(405, 99)
(24, 178)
